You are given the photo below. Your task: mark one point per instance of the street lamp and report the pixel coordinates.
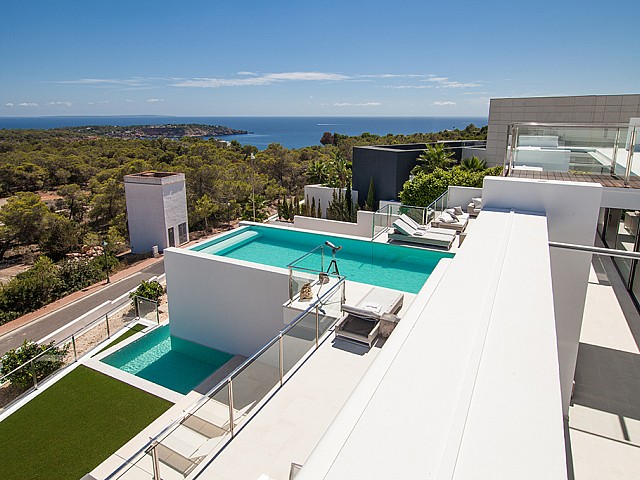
(106, 259)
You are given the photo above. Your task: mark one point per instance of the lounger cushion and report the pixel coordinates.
(458, 210)
(477, 202)
(445, 217)
(360, 312)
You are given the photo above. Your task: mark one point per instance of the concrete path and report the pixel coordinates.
(55, 316)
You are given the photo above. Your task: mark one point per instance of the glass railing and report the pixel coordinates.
(306, 270)
(215, 419)
(591, 149)
(18, 382)
(384, 217)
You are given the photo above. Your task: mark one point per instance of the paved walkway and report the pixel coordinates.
(604, 418)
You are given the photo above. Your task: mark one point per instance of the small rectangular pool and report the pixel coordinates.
(391, 266)
(176, 364)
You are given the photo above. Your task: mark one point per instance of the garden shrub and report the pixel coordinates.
(44, 366)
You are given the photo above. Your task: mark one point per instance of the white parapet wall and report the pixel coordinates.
(467, 386)
(572, 211)
(362, 228)
(461, 196)
(222, 303)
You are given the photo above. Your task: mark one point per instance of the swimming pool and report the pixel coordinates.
(169, 361)
(380, 264)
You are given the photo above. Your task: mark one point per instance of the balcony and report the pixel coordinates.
(608, 154)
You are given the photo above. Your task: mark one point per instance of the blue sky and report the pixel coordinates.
(308, 58)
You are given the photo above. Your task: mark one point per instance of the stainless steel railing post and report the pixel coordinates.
(106, 321)
(632, 141)
(231, 420)
(317, 326)
(156, 463)
(290, 284)
(35, 378)
(281, 359)
(75, 352)
(614, 157)
(157, 314)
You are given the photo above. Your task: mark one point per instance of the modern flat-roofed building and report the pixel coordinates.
(156, 210)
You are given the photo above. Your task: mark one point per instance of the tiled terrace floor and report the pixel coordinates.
(604, 419)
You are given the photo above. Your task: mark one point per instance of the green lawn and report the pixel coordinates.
(70, 428)
(138, 327)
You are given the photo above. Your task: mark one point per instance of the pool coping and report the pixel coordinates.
(96, 363)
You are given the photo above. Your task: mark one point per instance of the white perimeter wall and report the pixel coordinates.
(362, 228)
(236, 308)
(145, 216)
(324, 195)
(572, 210)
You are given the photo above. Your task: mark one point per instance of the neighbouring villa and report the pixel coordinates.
(491, 335)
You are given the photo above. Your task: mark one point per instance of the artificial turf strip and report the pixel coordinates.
(73, 426)
(138, 327)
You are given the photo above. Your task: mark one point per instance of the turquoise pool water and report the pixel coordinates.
(174, 363)
(381, 264)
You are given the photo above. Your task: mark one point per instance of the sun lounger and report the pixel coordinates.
(361, 323)
(410, 221)
(446, 220)
(434, 237)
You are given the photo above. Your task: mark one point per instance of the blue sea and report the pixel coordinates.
(291, 132)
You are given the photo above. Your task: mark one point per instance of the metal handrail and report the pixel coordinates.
(596, 250)
(227, 380)
(70, 338)
(319, 247)
(571, 125)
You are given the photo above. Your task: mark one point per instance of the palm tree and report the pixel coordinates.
(435, 156)
(318, 172)
(473, 164)
(341, 171)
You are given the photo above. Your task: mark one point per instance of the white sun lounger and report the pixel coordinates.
(435, 237)
(360, 323)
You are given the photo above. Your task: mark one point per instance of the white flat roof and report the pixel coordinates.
(473, 390)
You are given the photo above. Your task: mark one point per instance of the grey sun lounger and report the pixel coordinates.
(434, 237)
(361, 323)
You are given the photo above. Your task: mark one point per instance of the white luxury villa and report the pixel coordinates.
(492, 335)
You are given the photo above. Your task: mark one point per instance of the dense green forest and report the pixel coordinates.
(83, 173)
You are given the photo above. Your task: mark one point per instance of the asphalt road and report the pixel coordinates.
(54, 321)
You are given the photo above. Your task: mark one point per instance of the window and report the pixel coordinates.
(183, 236)
(172, 239)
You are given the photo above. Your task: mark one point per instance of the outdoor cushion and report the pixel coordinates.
(477, 202)
(458, 210)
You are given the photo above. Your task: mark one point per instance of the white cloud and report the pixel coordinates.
(408, 86)
(155, 100)
(347, 104)
(136, 81)
(444, 103)
(460, 85)
(8, 104)
(104, 102)
(444, 82)
(66, 104)
(130, 101)
(259, 80)
(391, 75)
(28, 104)
(253, 74)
